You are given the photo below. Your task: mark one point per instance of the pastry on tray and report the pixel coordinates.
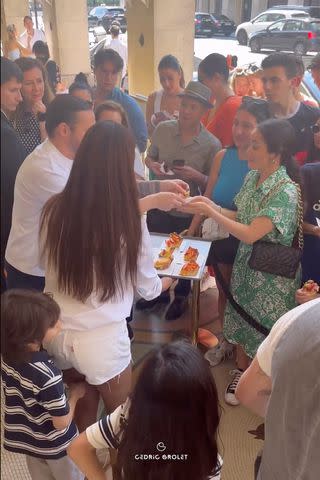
(310, 287)
(191, 254)
(174, 240)
(190, 269)
(162, 263)
(166, 252)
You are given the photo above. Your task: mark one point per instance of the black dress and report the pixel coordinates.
(28, 130)
(12, 155)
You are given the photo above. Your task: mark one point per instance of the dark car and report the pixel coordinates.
(206, 24)
(294, 35)
(114, 14)
(223, 24)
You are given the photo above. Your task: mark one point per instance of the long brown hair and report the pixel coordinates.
(93, 227)
(175, 402)
(26, 64)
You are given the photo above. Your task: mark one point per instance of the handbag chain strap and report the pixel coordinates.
(276, 189)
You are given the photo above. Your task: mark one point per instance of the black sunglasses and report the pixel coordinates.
(246, 100)
(315, 128)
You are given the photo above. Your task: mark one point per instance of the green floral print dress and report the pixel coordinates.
(264, 296)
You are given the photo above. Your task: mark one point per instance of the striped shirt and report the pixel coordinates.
(34, 392)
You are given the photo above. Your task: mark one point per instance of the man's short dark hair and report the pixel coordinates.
(214, 63)
(27, 17)
(63, 109)
(10, 70)
(277, 59)
(108, 55)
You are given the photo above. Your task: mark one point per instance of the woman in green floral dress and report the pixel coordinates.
(267, 208)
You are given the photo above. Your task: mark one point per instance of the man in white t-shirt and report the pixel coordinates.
(282, 384)
(34, 34)
(118, 46)
(43, 174)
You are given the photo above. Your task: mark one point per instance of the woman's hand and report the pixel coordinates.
(196, 208)
(174, 186)
(39, 107)
(304, 297)
(166, 201)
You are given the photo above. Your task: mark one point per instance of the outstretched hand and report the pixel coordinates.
(174, 186)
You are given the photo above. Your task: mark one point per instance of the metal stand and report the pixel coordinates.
(195, 310)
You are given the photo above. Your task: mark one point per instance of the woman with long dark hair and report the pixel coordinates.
(164, 104)
(29, 120)
(230, 167)
(98, 252)
(173, 411)
(268, 208)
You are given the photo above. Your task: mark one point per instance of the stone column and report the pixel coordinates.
(13, 11)
(157, 28)
(66, 27)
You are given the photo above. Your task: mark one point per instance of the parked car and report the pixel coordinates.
(114, 14)
(294, 35)
(95, 15)
(262, 21)
(313, 11)
(309, 88)
(223, 24)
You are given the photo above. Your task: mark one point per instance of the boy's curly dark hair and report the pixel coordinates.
(26, 315)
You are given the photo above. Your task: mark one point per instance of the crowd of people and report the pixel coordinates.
(76, 256)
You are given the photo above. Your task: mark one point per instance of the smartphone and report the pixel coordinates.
(178, 163)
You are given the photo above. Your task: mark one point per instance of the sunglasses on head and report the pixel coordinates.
(315, 128)
(246, 100)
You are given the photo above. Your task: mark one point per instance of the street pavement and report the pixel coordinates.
(229, 45)
(225, 46)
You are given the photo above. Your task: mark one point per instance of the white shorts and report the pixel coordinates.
(100, 354)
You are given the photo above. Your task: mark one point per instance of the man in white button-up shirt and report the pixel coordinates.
(34, 34)
(43, 174)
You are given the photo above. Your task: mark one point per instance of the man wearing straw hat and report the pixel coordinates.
(181, 149)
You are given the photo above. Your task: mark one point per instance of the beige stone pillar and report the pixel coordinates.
(157, 28)
(66, 27)
(13, 11)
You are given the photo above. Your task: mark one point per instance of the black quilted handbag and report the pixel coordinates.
(279, 259)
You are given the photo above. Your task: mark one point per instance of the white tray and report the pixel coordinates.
(203, 246)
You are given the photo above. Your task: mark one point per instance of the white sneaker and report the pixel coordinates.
(217, 354)
(229, 395)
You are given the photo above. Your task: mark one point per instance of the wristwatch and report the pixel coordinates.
(41, 117)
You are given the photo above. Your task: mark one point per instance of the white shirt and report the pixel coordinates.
(37, 35)
(119, 47)
(268, 346)
(92, 313)
(43, 174)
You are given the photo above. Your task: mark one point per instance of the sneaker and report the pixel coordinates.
(217, 354)
(229, 395)
(177, 308)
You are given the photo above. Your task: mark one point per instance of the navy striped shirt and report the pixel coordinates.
(34, 392)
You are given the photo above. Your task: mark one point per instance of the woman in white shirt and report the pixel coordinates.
(164, 104)
(167, 429)
(98, 252)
